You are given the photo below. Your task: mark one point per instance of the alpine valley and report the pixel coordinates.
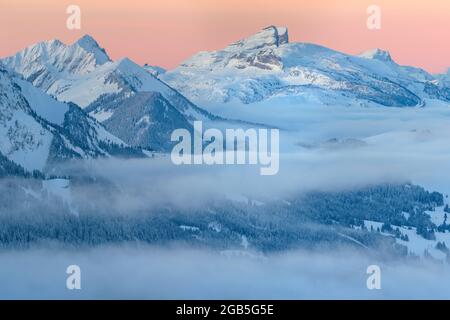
(364, 160)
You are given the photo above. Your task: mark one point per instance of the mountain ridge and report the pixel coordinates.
(40, 132)
(259, 68)
(102, 86)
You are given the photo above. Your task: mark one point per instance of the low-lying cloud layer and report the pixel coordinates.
(147, 183)
(157, 273)
(386, 145)
(396, 146)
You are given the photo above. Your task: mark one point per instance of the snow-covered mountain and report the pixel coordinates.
(46, 62)
(101, 90)
(267, 65)
(38, 131)
(155, 70)
(146, 119)
(82, 73)
(444, 79)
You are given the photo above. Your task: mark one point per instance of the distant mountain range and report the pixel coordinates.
(114, 93)
(72, 101)
(266, 65)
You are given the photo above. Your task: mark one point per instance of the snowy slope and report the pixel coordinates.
(120, 80)
(443, 80)
(415, 244)
(266, 65)
(37, 130)
(155, 70)
(44, 105)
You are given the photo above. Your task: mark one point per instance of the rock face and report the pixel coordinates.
(267, 66)
(377, 54)
(255, 51)
(270, 36)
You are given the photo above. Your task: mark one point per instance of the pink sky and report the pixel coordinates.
(166, 32)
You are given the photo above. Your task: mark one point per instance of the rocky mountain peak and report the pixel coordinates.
(377, 54)
(269, 36)
(89, 44)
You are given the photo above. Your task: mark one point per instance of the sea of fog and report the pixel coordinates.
(394, 145)
(181, 273)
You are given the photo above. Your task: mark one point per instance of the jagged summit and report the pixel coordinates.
(267, 66)
(257, 51)
(43, 63)
(377, 54)
(89, 44)
(269, 36)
